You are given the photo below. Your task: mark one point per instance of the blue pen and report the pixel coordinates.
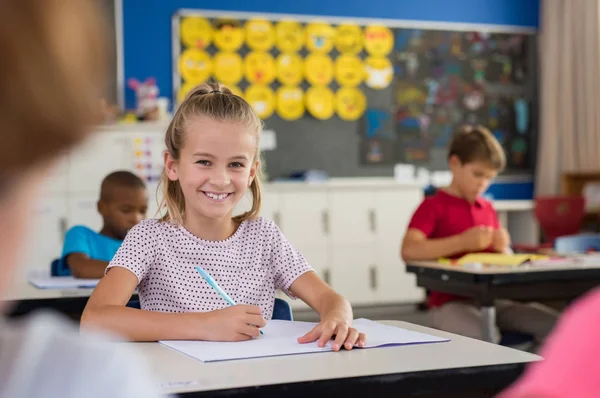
(215, 286)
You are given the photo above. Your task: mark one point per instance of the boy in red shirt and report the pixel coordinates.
(457, 220)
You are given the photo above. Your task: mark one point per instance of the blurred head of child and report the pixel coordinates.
(212, 158)
(123, 203)
(475, 158)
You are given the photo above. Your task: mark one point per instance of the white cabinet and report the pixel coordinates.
(303, 217)
(46, 232)
(353, 217)
(352, 273)
(83, 210)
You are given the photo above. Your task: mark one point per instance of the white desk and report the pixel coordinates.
(22, 290)
(463, 362)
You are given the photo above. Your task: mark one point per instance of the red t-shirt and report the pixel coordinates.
(443, 215)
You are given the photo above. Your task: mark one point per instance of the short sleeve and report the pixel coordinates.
(76, 241)
(424, 218)
(138, 250)
(287, 262)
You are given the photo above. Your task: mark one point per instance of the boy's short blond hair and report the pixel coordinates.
(477, 144)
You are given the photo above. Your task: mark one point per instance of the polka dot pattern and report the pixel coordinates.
(250, 266)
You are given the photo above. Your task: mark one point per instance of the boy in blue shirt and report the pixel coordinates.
(123, 203)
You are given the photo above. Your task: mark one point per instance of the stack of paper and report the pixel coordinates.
(43, 281)
(280, 338)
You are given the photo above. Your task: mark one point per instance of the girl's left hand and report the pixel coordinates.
(345, 335)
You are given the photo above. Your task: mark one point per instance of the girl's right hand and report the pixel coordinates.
(236, 323)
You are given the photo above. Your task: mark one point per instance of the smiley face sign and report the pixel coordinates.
(196, 32)
(259, 67)
(262, 100)
(349, 39)
(289, 36)
(319, 37)
(318, 69)
(379, 40)
(229, 35)
(228, 67)
(260, 34)
(349, 70)
(350, 103)
(379, 72)
(195, 66)
(320, 102)
(290, 69)
(290, 103)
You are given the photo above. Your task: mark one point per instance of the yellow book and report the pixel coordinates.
(500, 258)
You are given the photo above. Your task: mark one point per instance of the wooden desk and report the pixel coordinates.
(523, 283)
(462, 367)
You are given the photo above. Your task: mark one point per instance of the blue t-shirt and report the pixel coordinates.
(80, 239)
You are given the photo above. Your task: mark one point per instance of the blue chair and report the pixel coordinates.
(577, 244)
(58, 267)
(282, 310)
(516, 340)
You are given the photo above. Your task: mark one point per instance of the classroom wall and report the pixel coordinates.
(147, 23)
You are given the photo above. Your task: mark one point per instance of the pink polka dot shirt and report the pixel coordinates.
(249, 266)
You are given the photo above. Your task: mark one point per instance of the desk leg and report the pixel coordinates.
(488, 323)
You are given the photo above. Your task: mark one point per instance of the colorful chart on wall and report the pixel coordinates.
(379, 71)
(379, 40)
(228, 67)
(260, 34)
(318, 69)
(262, 99)
(196, 32)
(229, 35)
(259, 68)
(349, 70)
(350, 103)
(290, 103)
(349, 39)
(290, 69)
(319, 37)
(320, 102)
(289, 36)
(195, 65)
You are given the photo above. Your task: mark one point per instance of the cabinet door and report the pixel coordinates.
(45, 233)
(352, 215)
(394, 209)
(303, 217)
(102, 154)
(352, 273)
(393, 285)
(270, 206)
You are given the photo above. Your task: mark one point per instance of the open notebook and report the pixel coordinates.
(42, 280)
(280, 338)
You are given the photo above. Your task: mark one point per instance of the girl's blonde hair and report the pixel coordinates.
(219, 103)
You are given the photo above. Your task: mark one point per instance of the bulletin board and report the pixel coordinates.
(354, 99)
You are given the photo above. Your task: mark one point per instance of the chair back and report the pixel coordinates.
(282, 310)
(559, 215)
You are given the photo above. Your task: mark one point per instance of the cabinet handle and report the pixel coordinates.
(373, 277)
(326, 276)
(325, 221)
(62, 228)
(277, 218)
(373, 220)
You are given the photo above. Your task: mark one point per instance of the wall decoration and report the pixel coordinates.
(196, 32)
(290, 103)
(259, 67)
(350, 103)
(379, 72)
(228, 67)
(349, 39)
(349, 70)
(260, 34)
(320, 102)
(195, 66)
(379, 40)
(318, 69)
(229, 35)
(319, 37)
(262, 99)
(289, 36)
(290, 69)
